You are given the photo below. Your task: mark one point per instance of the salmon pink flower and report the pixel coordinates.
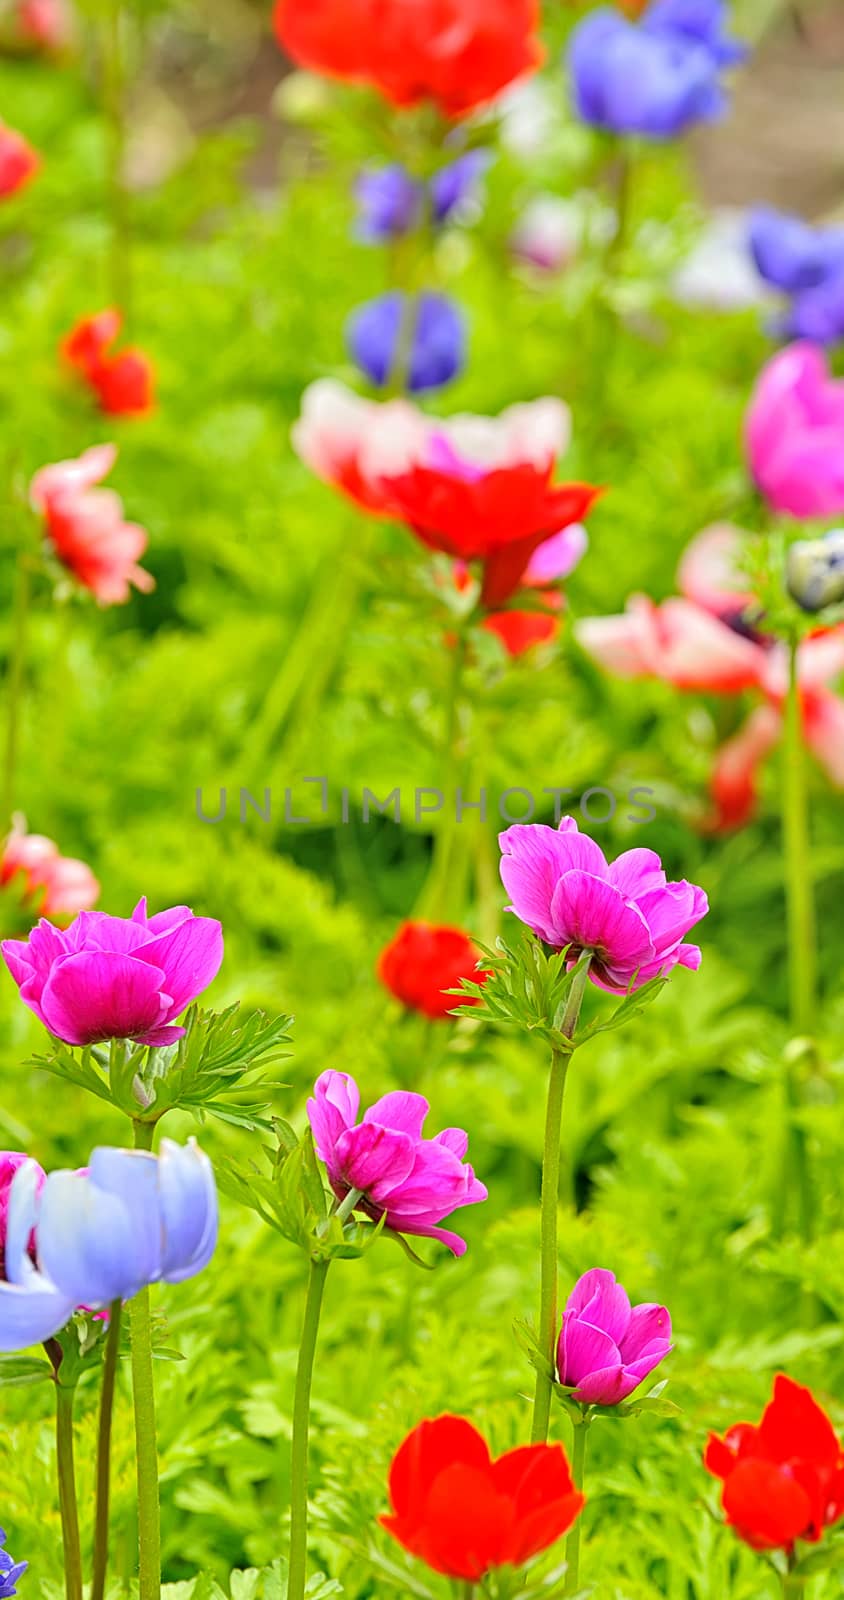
(84, 1239)
(60, 885)
(783, 1477)
(412, 1181)
(18, 162)
(46, 24)
(706, 641)
(626, 913)
(457, 53)
(794, 434)
(86, 528)
(606, 1346)
(423, 961)
(465, 1514)
(110, 977)
(121, 380)
(356, 444)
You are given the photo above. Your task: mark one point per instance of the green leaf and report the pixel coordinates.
(17, 1371)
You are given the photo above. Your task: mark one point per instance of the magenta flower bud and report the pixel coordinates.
(414, 1181)
(606, 1346)
(116, 977)
(625, 912)
(10, 1162)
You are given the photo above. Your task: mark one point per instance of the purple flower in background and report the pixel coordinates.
(634, 921)
(414, 1181)
(437, 351)
(109, 977)
(700, 22)
(456, 183)
(10, 1570)
(606, 1346)
(632, 79)
(792, 254)
(86, 1238)
(817, 314)
(389, 203)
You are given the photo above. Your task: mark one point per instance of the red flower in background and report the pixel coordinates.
(85, 526)
(58, 885)
(458, 53)
(464, 1514)
(783, 1479)
(423, 961)
(497, 517)
(18, 162)
(123, 382)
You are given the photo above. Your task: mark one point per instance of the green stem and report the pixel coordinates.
(549, 1209)
(802, 944)
(114, 90)
(347, 1206)
(112, 1353)
(67, 1492)
(146, 1448)
(578, 1471)
(298, 1570)
(436, 896)
(793, 1585)
(15, 685)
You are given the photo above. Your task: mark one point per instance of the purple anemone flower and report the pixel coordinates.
(10, 1570)
(629, 79)
(817, 314)
(437, 350)
(606, 1346)
(389, 203)
(701, 22)
(562, 886)
(84, 1239)
(414, 1181)
(456, 183)
(109, 977)
(792, 254)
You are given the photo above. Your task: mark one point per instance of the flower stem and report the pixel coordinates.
(578, 1471)
(793, 1585)
(298, 1570)
(112, 1354)
(146, 1449)
(436, 896)
(802, 943)
(15, 686)
(549, 1208)
(67, 1491)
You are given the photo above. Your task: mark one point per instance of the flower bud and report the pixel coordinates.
(815, 571)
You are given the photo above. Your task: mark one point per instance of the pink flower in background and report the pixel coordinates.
(46, 24)
(413, 1180)
(606, 1346)
(794, 434)
(10, 1162)
(549, 233)
(626, 912)
(122, 380)
(706, 641)
(110, 977)
(18, 162)
(59, 885)
(86, 527)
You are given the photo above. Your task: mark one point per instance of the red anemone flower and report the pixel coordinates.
(423, 961)
(463, 1513)
(783, 1479)
(457, 53)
